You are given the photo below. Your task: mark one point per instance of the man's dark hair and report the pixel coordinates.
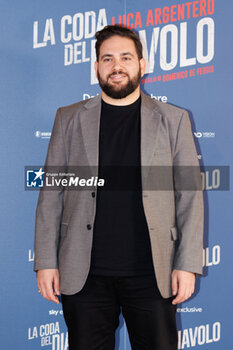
(112, 30)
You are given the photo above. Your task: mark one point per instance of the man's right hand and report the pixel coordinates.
(48, 284)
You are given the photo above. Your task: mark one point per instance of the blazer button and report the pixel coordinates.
(93, 194)
(88, 226)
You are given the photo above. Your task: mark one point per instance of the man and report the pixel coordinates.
(106, 250)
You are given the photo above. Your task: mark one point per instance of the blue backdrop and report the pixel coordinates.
(47, 54)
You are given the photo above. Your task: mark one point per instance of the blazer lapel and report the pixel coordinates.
(90, 122)
(150, 122)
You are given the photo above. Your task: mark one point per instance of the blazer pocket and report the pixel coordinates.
(174, 233)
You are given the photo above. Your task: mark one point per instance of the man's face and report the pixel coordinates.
(119, 70)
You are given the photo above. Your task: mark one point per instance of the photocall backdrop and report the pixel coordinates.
(47, 56)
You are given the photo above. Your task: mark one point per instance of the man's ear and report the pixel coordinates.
(142, 63)
(96, 68)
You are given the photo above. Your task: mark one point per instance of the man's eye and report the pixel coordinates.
(107, 59)
(126, 58)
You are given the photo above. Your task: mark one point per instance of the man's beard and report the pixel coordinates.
(112, 90)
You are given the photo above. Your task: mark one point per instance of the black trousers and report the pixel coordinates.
(92, 315)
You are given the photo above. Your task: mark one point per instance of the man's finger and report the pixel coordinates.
(183, 294)
(48, 282)
(174, 284)
(50, 295)
(179, 299)
(47, 292)
(185, 282)
(180, 295)
(57, 285)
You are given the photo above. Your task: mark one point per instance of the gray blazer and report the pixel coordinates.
(64, 219)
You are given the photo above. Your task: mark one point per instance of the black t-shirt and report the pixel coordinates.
(121, 243)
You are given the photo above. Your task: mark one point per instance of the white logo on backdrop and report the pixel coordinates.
(205, 134)
(199, 335)
(42, 134)
(49, 334)
(189, 309)
(212, 256)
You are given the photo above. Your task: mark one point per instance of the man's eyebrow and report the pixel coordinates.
(122, 54)
(127, 53)
(106, 55)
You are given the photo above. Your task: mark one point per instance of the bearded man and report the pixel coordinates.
(129, 249)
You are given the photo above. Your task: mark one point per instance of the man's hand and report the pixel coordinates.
(48, 284)
(183, 283)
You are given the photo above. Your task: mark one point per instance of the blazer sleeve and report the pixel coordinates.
(188, 200)
(50, 204)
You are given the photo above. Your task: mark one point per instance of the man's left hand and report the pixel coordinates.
(183, 283)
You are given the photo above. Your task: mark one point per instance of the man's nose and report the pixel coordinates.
(116, 64)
